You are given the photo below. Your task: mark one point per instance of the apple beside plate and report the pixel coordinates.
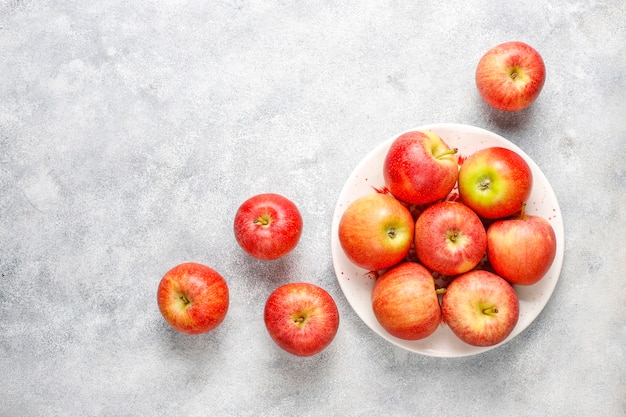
(357, 283)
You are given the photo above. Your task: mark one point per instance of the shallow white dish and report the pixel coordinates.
(357, 283)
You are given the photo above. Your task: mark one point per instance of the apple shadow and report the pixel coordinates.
(508, 121)
(269, 274)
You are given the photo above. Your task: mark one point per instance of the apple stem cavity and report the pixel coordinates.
(484, 184)
(490, 311)
(453, 235)
(264, 220)
(184, 299)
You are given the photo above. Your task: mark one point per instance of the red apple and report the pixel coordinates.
(302, 318)
(268, 226)
(510, 76)
(494, 182)
(480, 307)
(193, 298)
(521, 250)
(376, 231)
(449, 238)
(405, 303)
(420, 168)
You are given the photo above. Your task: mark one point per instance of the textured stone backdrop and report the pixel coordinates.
(130, 132)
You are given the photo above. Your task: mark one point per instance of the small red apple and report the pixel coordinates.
(420, 168)
(510, 76)
(521, 250)
(376, 231)
(480, 307)
(193, 298)
(449, 238)
(405, 303)
(301, 318)
(494, 182)
(268, 226)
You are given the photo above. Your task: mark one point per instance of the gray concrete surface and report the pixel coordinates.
(130, 132)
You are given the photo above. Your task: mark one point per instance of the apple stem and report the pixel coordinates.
(523, 211)
(491, 310)
(440, 291)
(448, 152)
(184, 299)
(262, 220)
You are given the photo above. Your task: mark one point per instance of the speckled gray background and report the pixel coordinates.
(130, 132)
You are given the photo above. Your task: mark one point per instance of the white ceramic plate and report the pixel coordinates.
(357, 283)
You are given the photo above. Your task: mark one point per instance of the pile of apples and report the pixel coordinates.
(414, 217)
(465, 221)
(302, 318)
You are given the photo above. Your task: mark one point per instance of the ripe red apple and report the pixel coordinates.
(268, 226)
(449, 238)
(405, 303)
(521, 250)
(510, 76)
(480, 307)
(376, 231)
(494, 182)
(420, 168)
(302, 318)
(193, 298)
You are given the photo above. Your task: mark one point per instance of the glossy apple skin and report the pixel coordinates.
(450, 238)
(405, 303)
(510, 76)
(301, 318)
(420, 168)
(268, 226)
(466, 305)
(521, 250)
(193, 298)
(376, 231)
(495, 182)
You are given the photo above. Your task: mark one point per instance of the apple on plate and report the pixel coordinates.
(376, 231)
(510, 76)
(480, 307)
(193, 298)
(405, 302)
(420, 168)
(302, 318)
(495, 182)
(268, 226)
(449, 238)
(521, 250)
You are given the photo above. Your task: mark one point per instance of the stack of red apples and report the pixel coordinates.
(466, 222)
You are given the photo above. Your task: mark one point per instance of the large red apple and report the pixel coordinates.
(449, 238)
(521, 250)
(376, 231)
(405, 303)
(420, 167)
(301, 318)
(268, 226)
(510, 76)
(480, 307)
(193, 298)
(494, 182)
